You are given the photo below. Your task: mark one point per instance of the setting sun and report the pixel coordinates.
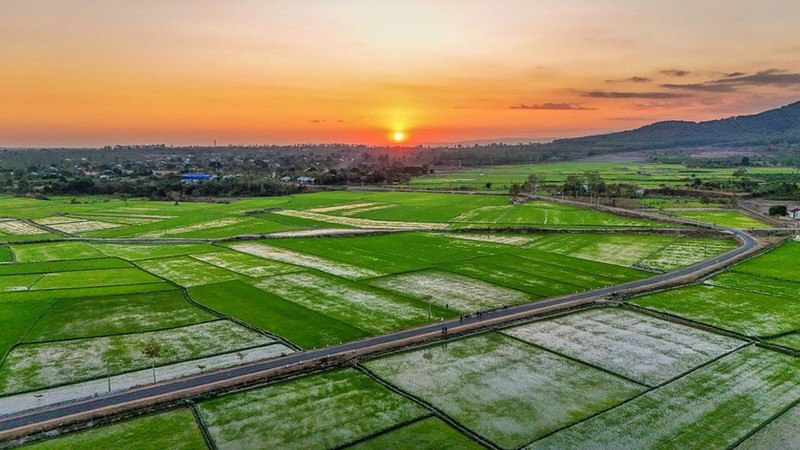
(399, 136)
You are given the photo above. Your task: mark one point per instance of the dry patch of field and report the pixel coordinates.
(190, 228)
(33, 366)
(362, 223)
(327, 209)
(457, 292)
(19, 227)
(301, 259)
(493, 238)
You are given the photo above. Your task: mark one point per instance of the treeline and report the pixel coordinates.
(168, 188)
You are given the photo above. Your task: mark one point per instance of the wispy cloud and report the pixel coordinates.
(650, 95)
(634, 79)
(555, 107)
(703, 87)
(675, 72)
(770, 77)
(736, 80)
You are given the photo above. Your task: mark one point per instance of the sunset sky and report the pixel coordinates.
(97, 72)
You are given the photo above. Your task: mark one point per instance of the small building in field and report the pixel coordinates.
(794, 213)
(305, 180)
(196, 177)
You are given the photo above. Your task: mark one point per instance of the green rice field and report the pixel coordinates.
(174, 430)
(214, 283)
(642, 174)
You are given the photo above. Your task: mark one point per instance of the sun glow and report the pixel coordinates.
(398, 136)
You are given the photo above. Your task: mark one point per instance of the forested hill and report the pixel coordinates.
(776, 126)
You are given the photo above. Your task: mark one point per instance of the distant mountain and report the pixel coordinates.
(767, 128)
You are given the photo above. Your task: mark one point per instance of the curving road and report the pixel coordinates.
(57, 413)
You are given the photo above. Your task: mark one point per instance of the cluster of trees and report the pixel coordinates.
(589, 183)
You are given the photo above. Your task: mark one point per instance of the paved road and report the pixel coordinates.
(65, 410)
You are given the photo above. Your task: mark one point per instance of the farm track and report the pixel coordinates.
(23, 424)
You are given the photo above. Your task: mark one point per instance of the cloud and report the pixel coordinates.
(734, 74)
(317, 120)
(735, 80)
(634, 79)
(675, 72)
(769, 77)
(651, 95)
(703, 87)
(555, 107)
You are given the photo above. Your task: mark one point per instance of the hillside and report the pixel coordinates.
(766, 128)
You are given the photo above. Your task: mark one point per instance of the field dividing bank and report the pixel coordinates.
(712, 407)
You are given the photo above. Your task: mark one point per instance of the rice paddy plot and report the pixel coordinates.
(595, 269)
(622, 250)
(244, 264)
(781, 433)
(429, 433)
(365, 307)
(515, 278)
(778, 263)
(743, 312)
(341, 249)
(175, 430)
(134, 252)
(55, 251)
(543, 268)
(38, 365)
(80, 227)
(304, 260)
(637, 346)
(62, 266)
(394, 206)
(791, 340)
(14, 283)
(187, 271)
(302, 326)
(16, 318)
(318, 411)
(756, 284)
(711, 408)
(5, 254)
(547, 214)
(509, 239)
(727, 218)
(94, 278)
(460, 293)
(685, 252)
(432, 208)
(101, 316)
(101, 291)
(16, 229)
(504, 390)
(423, 249)
(361, 223)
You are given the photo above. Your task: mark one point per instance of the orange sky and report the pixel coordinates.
(97, 72)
